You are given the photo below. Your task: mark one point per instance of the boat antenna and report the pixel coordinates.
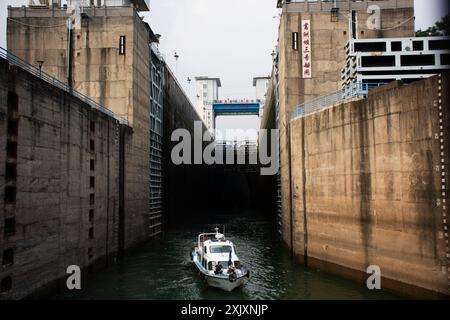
(224, 230)
(216, 229)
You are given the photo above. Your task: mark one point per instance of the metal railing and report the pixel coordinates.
(16, 61)
(233, 144)
(355, 90)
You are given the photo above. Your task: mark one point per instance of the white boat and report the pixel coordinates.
(217, 263)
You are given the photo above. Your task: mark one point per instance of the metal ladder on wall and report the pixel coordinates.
(115, 219)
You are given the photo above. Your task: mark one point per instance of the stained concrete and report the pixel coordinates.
(328, 58)
(368, 188)
(53, 200)
(119, 82)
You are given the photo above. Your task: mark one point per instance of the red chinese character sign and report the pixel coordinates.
(306, 49)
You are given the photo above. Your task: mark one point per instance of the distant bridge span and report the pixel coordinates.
(231, 108)
(236, 108)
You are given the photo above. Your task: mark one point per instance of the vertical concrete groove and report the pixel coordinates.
(365, 182)
(121, 222)
(115, 231)
(107, 195)
(9, 202)
(443, 175)
(291, 190)
(305, 217)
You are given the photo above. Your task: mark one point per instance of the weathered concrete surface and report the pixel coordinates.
(369, 187)
(53, 199)
(120, 82)
(328, 58)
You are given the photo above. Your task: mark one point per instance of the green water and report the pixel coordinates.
(163, 270)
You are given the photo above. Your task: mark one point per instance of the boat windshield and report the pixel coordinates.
(220, 249)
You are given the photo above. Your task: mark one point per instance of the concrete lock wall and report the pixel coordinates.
(119, 82)
(65, 207)
(369, 187)
(328, 58)
(181, 183)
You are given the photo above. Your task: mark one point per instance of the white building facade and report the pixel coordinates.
(207, 93)
(261, 85)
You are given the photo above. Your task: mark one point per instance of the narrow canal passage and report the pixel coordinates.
(163, 270)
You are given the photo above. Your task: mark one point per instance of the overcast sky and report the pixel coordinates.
(230, 39)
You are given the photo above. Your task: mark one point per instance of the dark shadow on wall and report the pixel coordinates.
(198, 190)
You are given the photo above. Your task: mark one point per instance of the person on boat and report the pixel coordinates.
(231, 269)
(218, 268)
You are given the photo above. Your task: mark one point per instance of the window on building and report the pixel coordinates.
(445, 59)
(370, 46)
(10, 226)
(418, 45)
(295, 40)
(6, 284)
(11, 149)
(13, 102)
(377, 61)
(91, 233)
(334, 14)
(92, 182)
(10, 194)
(13, 127)
(417, 60)
(91, 215)
(396, 46)
(11, 171)
(8, 257)
(439, 45)
(122, 45)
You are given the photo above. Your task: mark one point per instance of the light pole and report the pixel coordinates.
(176, 56)
(273, 54)
(189, 86)
(40, 63)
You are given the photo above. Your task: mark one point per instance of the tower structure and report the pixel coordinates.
(207, 93)
(101, 49)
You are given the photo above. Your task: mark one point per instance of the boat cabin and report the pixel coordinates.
(214, 249)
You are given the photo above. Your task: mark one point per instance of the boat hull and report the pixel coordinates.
(219, 281)
(225, 284)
